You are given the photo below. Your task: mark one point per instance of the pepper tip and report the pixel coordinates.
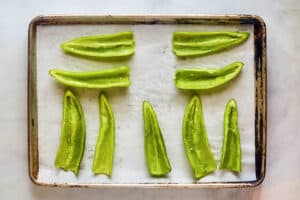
(63, 46)
(102, 96)
(195, 98)
(232, 103)
(145, 102)
(239, 64)
(51, 72)
(69, 93)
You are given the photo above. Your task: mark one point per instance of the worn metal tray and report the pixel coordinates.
(36, 109)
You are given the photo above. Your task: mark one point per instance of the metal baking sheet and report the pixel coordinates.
(152, 69)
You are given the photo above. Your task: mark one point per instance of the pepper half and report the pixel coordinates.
(72, 141)
(104, 152)
(105, 78)
(192, 44)
(195, 140)
(206, 78)
(231, 152)
(155, 150)
(109, 46)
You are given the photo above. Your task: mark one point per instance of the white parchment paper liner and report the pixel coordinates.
(152, 71)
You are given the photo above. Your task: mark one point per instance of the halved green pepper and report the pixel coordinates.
(191, 44)
(72, 141)
(231, 152)
(195, 140)
(155, 150)
(206, 78)
(104, 152)
(108, 46)
(105, 78)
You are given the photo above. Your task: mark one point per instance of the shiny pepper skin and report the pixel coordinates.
(104, 151)
(155, 150)
(72, 141)
(193, 44)
(204, 79)
(231, 152)
(105, 78)
(102, 47)
(195, 140)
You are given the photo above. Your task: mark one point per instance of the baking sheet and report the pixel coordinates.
(152, 71)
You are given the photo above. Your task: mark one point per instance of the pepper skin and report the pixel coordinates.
(231, 152)
(192, 44)
(195, 140)
(109, 46)
(72, 141)
(104, 152)
(105, 78)
(156, 154)
(206, 78)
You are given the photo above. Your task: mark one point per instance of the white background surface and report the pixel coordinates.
(283, 152)
(152, 69)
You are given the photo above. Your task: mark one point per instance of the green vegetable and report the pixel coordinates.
(206, 78)
(231, 152)
(104, 153)
(72, 139)
(156, 154)
(106, 78)
(191, 44)
(195, 140)
(109, 46)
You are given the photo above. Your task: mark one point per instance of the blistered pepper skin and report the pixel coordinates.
(204, 79)
(100, 79)
(104, 152)
(155, 150)
(193, 44)
(231, 151)
(72, 141)
(195, 140)
(102, 47)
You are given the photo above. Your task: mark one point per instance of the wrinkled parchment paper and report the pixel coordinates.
(152, 71)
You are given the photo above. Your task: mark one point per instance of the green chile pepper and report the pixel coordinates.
(109, 46)
(206, 78)
(231, 152)
(72, 141)
(191, 44)
(195, 140)
(104, 152)
(105, 78)
(156, 154)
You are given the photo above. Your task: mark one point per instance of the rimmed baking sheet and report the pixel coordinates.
(152, 70)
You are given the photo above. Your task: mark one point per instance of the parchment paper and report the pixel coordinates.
(152, 71)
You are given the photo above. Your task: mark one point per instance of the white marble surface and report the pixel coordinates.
(283, 153)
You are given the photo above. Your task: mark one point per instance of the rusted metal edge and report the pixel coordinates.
(261, 98)
(33, 160)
